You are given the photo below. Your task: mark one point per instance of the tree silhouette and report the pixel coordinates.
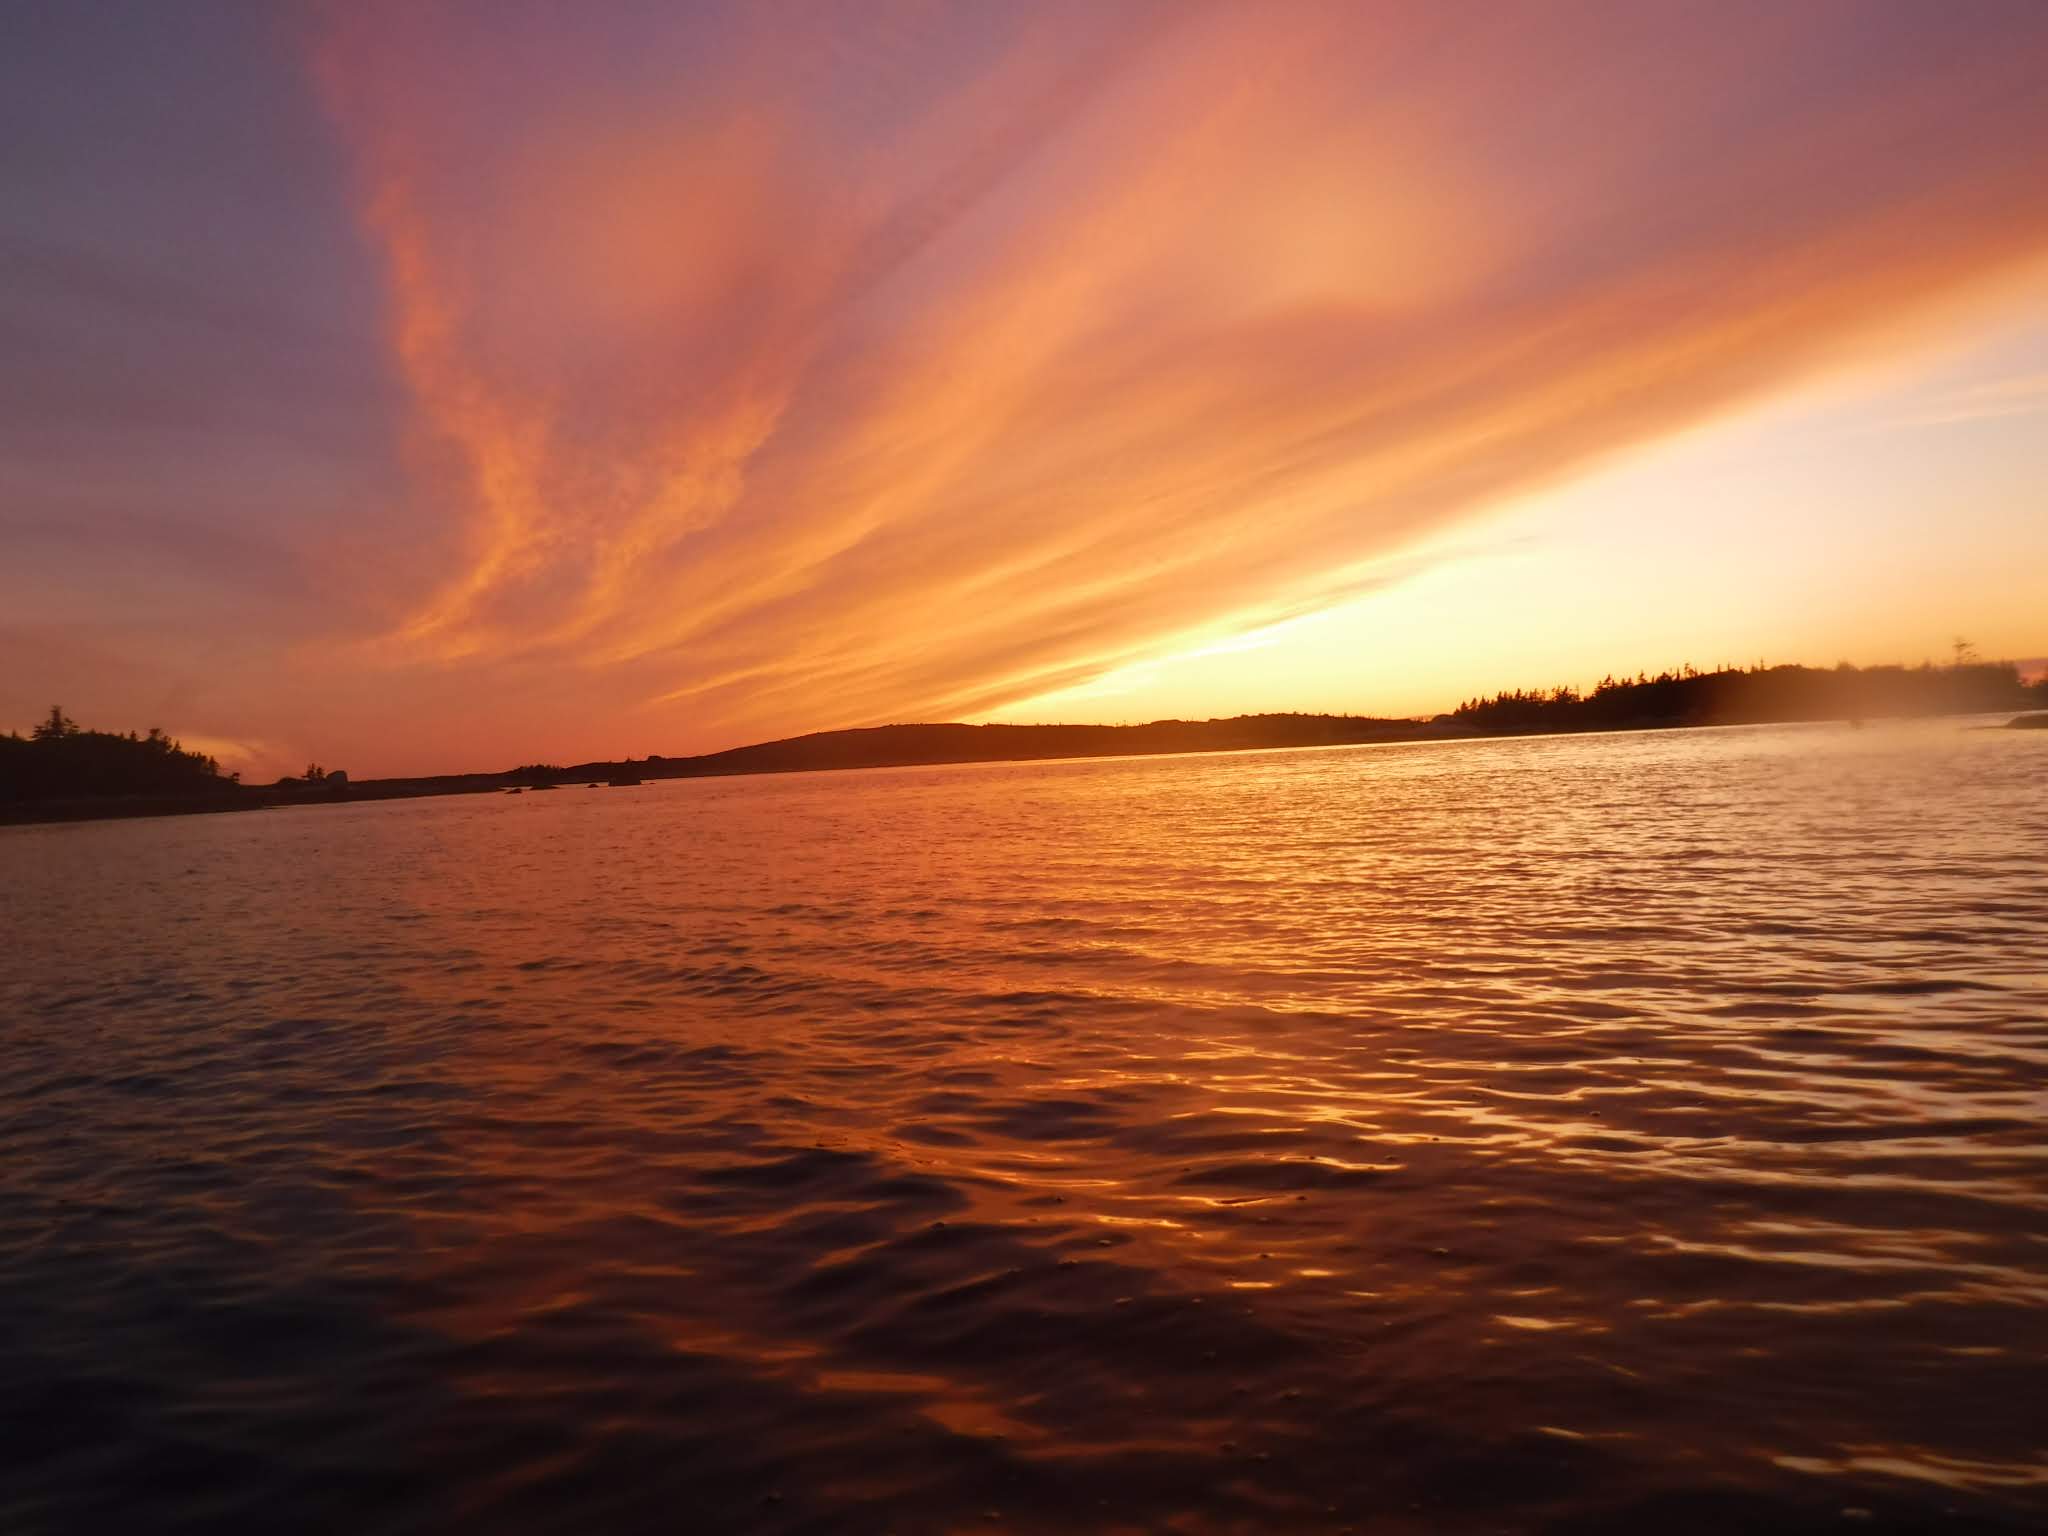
(59, 760)
(1754, 695)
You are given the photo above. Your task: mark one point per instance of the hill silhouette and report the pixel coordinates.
(898, 746)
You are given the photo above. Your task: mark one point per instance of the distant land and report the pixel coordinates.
(63, 772)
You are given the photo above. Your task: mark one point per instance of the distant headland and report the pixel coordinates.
(63, 772)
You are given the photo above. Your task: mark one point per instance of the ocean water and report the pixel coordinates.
(1624, 1133)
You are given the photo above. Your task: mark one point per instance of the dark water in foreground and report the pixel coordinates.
(1618, 1134)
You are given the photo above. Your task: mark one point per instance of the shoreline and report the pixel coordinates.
(828, 752)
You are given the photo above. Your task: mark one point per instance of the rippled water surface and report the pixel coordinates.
(1620, 1133)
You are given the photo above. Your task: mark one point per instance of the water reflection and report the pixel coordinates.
(1430, 1138)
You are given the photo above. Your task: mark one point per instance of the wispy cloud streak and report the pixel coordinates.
(788, 368)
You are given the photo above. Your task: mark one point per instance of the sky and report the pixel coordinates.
(428, 387)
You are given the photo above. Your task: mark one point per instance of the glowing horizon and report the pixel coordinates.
(661, 380)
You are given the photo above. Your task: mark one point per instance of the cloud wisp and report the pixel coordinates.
(778, 369)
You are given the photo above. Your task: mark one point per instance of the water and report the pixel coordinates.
(1607, 1134)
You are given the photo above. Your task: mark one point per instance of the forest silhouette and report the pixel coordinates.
(60, 759)
(1758, 695)
(61, 771)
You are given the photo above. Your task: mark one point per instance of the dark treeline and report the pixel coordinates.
(61, 772)
(59, 760)
(1756, 695)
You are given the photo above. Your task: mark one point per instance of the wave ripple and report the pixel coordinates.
(1573, 1135)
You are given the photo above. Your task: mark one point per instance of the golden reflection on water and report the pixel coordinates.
(1545, 1127)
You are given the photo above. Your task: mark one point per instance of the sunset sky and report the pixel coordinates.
(421, 387)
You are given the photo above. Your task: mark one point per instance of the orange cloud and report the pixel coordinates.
(782, 370)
